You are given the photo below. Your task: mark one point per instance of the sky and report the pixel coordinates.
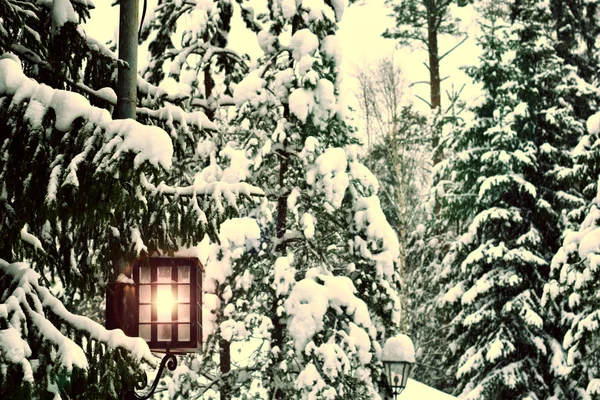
(361, 41)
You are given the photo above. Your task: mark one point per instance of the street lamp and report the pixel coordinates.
(398, 356)
(168, 303)
(162, 304)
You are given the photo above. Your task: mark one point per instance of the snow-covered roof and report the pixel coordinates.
(418, 390)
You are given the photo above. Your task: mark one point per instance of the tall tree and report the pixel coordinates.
(507, 180)
(571, 293)
(79, 190)
(424, 22)
(318, 290)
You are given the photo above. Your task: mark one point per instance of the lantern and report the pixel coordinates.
(398, 356)
(168, 303)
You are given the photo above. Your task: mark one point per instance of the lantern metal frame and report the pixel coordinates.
(180, 333)
(141, 379)
(395, 384)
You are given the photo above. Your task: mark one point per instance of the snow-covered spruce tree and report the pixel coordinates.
(573, 291)
(189, 53)
(79, 192)
(306, 279)
(505, 185)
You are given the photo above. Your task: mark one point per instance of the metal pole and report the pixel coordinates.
(127, 86)
(128, 46)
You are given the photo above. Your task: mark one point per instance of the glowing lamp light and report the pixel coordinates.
(168, 302)
(398, 357)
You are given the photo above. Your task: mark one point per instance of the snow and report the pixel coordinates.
(303, 43)
(593, 124)
(499, 348)
(151, 143)
(284, 275)
(309, 301)
(367, 179)
(308, 225)
(590, 244)
(329, 175)
(122, 278)
(249, 89)
(15, 350)
(62, 12)
(370, 220)
(301, 102)
(317, 10)
(288, 8)
(308, 376)
(30, 302)
(418, 390)
(307, 305)
(331, 48)
(593, 387)
(32, 240)
(398, 348)
(266, 41)
(491, 183)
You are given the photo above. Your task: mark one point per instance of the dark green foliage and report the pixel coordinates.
(508, 180)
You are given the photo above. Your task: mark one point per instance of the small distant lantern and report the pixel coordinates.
(168, 303)
(398, 357)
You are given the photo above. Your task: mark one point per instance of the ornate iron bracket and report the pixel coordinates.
(141, 381)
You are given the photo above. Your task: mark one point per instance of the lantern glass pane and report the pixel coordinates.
(164, 302)
(183, 333)
(183, 293)
(145, 275)
(399, 373)
(145, 312)
(145, 294)
(164, 332)
(164, 274)
(183, 274)
(183, 313)
(145, 332)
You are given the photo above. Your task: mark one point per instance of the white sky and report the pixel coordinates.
(360, 37)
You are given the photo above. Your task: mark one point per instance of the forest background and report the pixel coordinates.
(473, 226)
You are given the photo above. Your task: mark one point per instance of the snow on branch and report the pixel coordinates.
(168, 114)
(151, 144)
(27, 306)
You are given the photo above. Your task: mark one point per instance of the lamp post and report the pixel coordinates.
(398, 356)
(162, 304)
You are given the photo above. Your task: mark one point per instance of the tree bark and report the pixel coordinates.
(225, 365)
(434, 73)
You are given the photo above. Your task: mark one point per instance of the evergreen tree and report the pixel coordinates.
(503, 187)
(309, 272)
(80, 194)
(571, 294)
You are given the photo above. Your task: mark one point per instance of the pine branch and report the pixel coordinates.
(154, 114)
(453, 48)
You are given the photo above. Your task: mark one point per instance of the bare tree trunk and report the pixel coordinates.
(282, 209)
(434, 74)
(208, 88)
(402, 239)
(225, 366)
(224, 345)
